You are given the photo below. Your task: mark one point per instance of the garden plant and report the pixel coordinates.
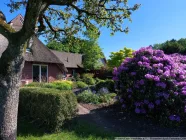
(153, 84)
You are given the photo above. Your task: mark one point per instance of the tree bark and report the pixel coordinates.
(10, 75)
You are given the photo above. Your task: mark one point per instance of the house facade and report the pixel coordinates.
(41, 64)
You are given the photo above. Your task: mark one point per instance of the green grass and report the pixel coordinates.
(75, 130)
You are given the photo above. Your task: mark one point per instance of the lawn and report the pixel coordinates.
(75, 130)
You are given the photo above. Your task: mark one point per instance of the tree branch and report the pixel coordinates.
(5, 29)
(55, 30)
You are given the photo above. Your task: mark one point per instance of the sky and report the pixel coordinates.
(156, 21)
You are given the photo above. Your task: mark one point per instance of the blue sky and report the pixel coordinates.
(155, 22)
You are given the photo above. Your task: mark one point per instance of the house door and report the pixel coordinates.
(40, 73)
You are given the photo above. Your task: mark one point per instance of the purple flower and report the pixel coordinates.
(160, 71)
(151, 106)
(176, 93)
(137, 110)
(149, 76)
(166, 96)
(177, 118)
(156, 78)
(123, 106)
(146, 101)
(121, 100)
(171, 117)
(129, 90)
(157, 102)
(133, 73)
(141, 82)
(115, 79)
(140, 63)
(161, 84)
(137, 104)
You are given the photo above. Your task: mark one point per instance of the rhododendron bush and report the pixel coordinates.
(153, 84)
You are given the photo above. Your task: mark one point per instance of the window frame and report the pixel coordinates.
(39, 71)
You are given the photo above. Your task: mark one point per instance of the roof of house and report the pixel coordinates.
(39, 52)
(71, 60)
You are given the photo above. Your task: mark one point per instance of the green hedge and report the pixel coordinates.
(48, 108)
(107, 83)
(54, 85)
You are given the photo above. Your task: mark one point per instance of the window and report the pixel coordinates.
(40, 73)
(73, 72)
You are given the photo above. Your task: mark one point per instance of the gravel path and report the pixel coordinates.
(114, 120)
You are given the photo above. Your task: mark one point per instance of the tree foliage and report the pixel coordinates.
(116, 58)
(172, 46)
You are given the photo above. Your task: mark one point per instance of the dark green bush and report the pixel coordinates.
(48, 108)
(107, 83)
(81, 84)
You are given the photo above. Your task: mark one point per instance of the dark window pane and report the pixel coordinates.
(35, 73)
(44, 74)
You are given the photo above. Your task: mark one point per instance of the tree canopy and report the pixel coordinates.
(172, 46)
(116, 58)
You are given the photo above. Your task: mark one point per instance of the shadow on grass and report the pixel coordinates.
(106, 123)
(77, 127)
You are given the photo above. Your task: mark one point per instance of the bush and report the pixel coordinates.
(89, 97)
(98, 80)
(153, 84)
(89, 81)
(87, 75)
(108, 84)
(106, 98)
(48, 108)
(81, 84)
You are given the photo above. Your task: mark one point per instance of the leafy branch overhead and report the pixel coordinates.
(74, 17)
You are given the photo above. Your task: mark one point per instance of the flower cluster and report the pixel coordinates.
(153, 83)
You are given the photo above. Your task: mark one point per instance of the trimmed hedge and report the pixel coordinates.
(61, 85)
(48, 108)
(108, 84)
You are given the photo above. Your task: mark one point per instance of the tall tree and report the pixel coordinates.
(172, 46)
(116, 58)
(54, 18)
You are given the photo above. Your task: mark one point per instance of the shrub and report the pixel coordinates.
(89, 81)
(106, 98)
(81, 84)
(153, 84)
(108, 84)
(88, 97)
(87, 75)
(48, 108)
(98, 80)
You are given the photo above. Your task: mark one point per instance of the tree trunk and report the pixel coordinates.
(10, 75)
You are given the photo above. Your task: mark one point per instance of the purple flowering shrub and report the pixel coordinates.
(154, 84)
